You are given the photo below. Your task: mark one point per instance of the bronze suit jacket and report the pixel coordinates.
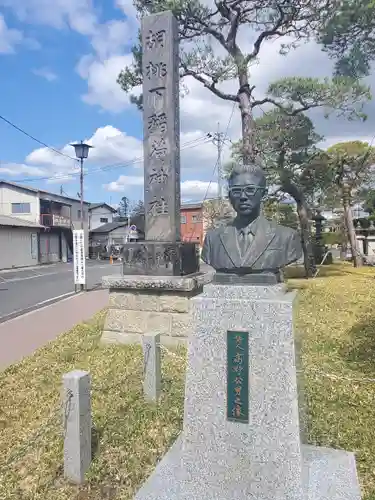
(272, 247)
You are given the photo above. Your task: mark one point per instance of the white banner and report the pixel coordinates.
(79, 257)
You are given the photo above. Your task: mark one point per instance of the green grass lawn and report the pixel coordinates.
(132, 435)
(335, 323)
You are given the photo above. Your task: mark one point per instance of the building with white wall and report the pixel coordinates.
(57, 214)
(100, 214)
(18, 242)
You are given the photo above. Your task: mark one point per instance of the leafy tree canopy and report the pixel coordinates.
(348, 35)
(352, 163)
(287, 148)
(367, 197)
(211, 52)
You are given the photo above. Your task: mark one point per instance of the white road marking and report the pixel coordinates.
(23, 269)
(62, 271)
(36, 307)
(13, 280)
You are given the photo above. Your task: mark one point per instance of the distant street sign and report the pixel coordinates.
(79, 257)
(133, 228)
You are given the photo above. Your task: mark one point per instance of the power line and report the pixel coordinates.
(216, 164)
(100, 169)
(188, 145)
(219, 140)
(217, 161)
(35, 139)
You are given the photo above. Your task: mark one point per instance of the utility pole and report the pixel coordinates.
(219, 139)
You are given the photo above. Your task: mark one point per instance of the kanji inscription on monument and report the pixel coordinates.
(161, 127)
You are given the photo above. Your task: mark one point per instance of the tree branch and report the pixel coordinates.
(209, 85)
(263, 36)
(233, 15)
(287, 111)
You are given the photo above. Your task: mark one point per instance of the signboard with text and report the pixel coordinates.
(79, 257)
(238, 376)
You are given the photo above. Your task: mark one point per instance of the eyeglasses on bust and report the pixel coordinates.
(248, 190)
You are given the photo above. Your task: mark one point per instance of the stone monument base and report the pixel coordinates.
(155, 258)
(327, 474)
(151, 304)
(258, 454)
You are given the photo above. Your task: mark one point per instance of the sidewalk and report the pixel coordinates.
(21, 336)
(27, 268)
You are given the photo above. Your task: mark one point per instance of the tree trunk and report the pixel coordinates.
(343, 250)
(293, 190)
(307, 247)
(247, 121)
(249, 154)
(348, 217)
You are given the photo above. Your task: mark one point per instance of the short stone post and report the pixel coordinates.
(151, 366)
(77, 425)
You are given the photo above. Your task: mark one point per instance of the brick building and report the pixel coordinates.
(192, 222)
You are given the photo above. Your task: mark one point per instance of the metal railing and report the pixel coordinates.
(55, 220)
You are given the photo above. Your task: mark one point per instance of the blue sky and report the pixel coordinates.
(60, 60)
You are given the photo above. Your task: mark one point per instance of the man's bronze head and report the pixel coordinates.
(247, 187)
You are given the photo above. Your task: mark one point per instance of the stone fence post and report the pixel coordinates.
(77, 425)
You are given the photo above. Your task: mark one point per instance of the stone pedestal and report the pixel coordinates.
(259, 456)
(160, 258)
(151, 304)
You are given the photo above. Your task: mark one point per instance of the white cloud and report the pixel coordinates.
(200, 109)
(127, 7)
(15, 169)
(46, 73)
(101, 76)
(198, 190)
(198, 159)
(190, 190)
(111, 147)
(79, 15)
(9, 38)
(123, 183)
(111, 43)
(111, 38)
(61, 179)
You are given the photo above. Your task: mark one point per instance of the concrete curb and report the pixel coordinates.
(35, 307)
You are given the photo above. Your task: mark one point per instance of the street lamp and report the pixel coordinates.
(82, 152)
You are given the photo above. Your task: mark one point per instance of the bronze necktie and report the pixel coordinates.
(243, 240)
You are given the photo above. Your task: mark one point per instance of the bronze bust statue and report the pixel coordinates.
(250, 243)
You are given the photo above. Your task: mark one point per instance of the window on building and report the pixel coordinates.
(183, 219)
(21, 208)
(104, 220)
(196, 218)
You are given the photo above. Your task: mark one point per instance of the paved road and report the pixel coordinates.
(24, 288)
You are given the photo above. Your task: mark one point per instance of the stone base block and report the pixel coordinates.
(160, 258)
(151, 304)
(327, 475)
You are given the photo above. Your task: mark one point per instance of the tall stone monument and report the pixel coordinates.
(161, 274)
(162, 253)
